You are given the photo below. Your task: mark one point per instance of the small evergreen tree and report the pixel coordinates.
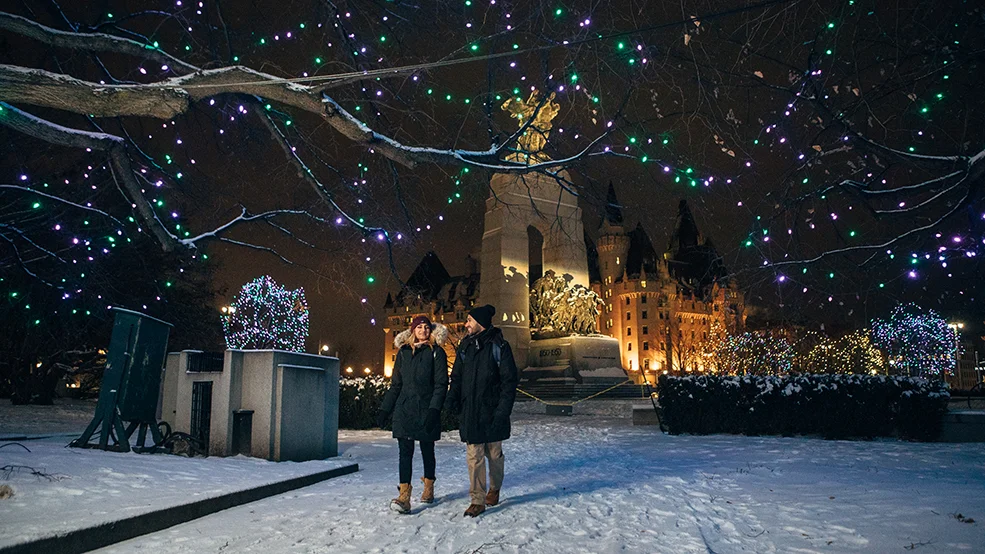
(918, 342)
(264, 315)
(755, 353)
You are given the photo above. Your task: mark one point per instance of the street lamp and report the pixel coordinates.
(367, 371)
(348, 369)
(324, 349)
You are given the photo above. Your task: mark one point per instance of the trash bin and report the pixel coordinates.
(243, 432)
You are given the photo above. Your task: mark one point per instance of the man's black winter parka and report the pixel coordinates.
(482, 392)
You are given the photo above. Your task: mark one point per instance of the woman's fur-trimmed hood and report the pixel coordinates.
(439, 335)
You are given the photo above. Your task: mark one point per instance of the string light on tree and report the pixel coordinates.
(752, 353)
(264, 315)
(918, 342)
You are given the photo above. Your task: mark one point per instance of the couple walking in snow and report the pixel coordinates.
(482, 390)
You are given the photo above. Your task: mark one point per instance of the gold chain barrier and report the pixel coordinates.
(542, 401)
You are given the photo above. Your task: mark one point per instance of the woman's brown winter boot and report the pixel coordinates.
(427, 496)
(401, 504)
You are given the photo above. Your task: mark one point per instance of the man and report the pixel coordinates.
(483, 388)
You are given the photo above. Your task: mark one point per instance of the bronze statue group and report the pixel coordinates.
(480, 391)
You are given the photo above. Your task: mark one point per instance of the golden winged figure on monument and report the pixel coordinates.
(531, 142)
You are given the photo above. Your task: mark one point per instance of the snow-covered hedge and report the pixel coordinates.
(360, 399)
(833, 406)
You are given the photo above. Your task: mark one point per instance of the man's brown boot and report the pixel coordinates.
(474, 510)
(492, 497)
(401, 504)
(427, 496)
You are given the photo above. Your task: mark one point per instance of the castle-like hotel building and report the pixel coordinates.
(663, 309)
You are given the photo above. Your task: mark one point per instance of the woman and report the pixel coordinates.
(417, 392)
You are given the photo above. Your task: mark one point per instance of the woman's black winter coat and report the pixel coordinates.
(483, 391)
(419, 383)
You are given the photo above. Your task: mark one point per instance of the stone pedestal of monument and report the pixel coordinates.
(582, 358)
(517, 203)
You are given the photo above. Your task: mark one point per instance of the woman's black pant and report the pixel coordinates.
(407, 456)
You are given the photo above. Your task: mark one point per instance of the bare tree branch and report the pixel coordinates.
(112, 145)
(168, 98)
(89, 42)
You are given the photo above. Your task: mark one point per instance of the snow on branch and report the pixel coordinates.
(114, 146)
(54, 133)
(89, 42)
(242, 218)
(170, 97)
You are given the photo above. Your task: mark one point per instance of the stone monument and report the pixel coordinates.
(518, 203)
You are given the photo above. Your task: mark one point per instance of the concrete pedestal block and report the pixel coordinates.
(292, 399)
(963, 426)
(644, 414)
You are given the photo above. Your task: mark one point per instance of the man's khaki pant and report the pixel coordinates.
(476, 455)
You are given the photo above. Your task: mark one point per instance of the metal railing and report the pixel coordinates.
(205, 362)
(975, 394)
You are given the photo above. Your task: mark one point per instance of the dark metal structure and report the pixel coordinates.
(131, 384)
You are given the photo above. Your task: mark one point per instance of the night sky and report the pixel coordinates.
(701, 110)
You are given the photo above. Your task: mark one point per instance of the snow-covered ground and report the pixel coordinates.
(587, 483)
(66, 416)
(58, 489)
